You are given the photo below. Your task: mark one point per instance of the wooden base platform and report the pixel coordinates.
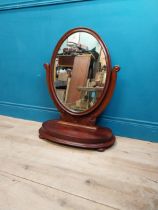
(89, 137)
(37, 174)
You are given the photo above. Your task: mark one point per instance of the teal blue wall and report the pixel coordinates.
(29, 31)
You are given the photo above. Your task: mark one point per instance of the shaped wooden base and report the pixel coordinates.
(89, 137)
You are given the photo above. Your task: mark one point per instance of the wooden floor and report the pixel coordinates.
(39, 175)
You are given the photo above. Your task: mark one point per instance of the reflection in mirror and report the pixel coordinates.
(80, 72)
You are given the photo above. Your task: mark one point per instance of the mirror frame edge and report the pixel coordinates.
(50, 80)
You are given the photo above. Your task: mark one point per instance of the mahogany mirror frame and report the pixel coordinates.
(78, 128)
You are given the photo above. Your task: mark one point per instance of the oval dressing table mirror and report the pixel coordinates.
(81, 82)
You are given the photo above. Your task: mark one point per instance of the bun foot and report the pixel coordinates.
(101, 149)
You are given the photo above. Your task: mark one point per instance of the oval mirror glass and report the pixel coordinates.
(80, 71)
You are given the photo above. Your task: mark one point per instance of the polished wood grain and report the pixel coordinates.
(72, 134)
(36, 174)
(78, 78)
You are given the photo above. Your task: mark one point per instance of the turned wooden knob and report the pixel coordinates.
(116, 68)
